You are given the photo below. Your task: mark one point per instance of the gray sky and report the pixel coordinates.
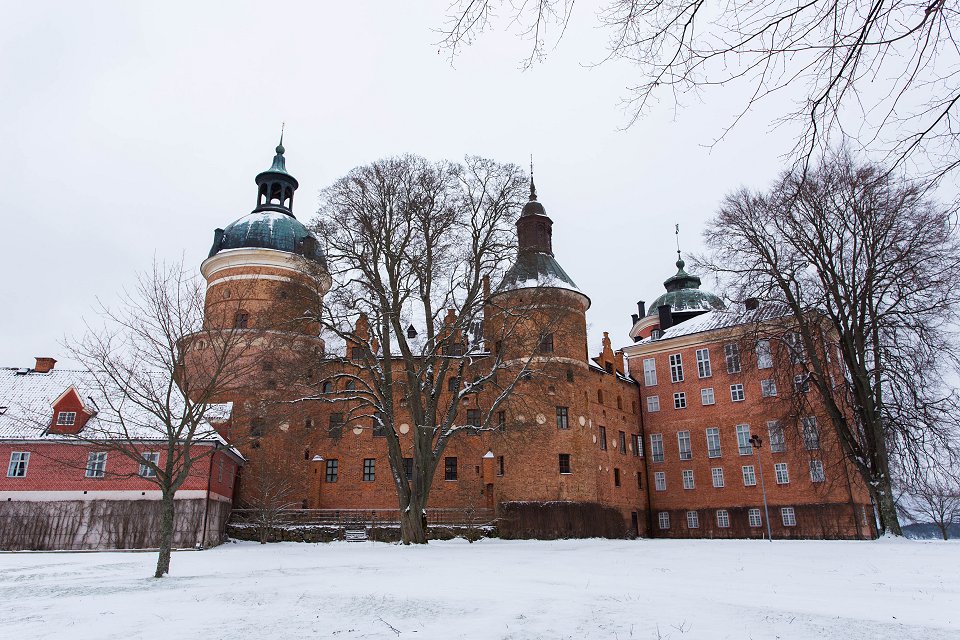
(131, 131)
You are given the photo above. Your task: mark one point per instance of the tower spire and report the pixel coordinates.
(533, 187)
(680, 262)
(280, 148)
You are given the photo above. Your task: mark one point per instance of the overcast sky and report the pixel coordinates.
(130, 132)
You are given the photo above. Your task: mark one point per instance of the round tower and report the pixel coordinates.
(684, 299)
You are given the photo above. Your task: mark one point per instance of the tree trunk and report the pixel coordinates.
(944, 530)
(166, 534)
(413, 524)
(887, 508)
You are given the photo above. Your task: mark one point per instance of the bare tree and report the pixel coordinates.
(884, 73)
(411, 246)
(270, 491)
(934, 498)
(866, 268)
(161, 375)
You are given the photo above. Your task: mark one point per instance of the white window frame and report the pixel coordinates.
(660, 480)
(656, 447)
(764, 355)
(704, 370)
(782, 472)
(801, 383)
(754, 518)
(680, 400)
(19, 461)
(749, 475)
(676, 367)
(788, 516)
(798, 354)
(653, 404)
(768, 388)
(66, 418)
(649, 372)
(811, 435)
(736, 392)
(716, 473)
(714, 448)
(816, 471)
(96, 464)
(707, 397)
(688, 482)
(683, 438)
(663, 519)
(777, 436)
(693, 520)
(743, 440)
(150, 456)
(732, 354)
(723, 519)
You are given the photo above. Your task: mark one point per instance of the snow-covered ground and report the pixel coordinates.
(648, 589)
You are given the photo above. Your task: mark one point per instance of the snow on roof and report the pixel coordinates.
(27, 399)
(717, 319)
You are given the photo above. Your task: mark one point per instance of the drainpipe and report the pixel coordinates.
(646, 464)
(206, 501)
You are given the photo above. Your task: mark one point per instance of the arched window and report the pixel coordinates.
(241, 320)
(600, 396)
(327, 387)
(351, 385)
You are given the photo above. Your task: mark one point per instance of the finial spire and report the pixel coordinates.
(680, 262)
(533, 187)
(280, 148)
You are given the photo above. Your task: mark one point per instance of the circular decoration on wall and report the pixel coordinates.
(541, 418)
(404, 428)
(284, 426)
(583, 421)
(520, 418)
(599, 467)
(226, 293)
(357, 430)
(594, 439)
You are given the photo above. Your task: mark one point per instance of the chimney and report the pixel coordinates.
(642, 309)
(666, 317)
(752, 304)
(486, 287)
(633, 319)
(44, 365)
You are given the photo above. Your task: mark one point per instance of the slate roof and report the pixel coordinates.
(536, 269)
(720, 319)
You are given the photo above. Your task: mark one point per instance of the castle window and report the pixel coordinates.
(713, 442)
(778, 441)
(660, 480)
(608, 367)
(789, 516)
(656, 446)
(66, 418)
(473, 418)
(499, 465)
(308, 423)
(616, 477)
(622, 442)
(664, 519)
(795, 344)
(563, 418)
(327, 387)
(336, 424)
(683, 442)
(706, 397)
(569, 375)
(744, 447)
(639, 480)
(676, 367)
(723, 519)
(565, 463)
(18, 464)
(783, 474)
(693, 520)
(687, 475)
(379, 424)
(768, 388)
(408, 468)
(637, 444)
(619, 402)
(350, 386)
(653, 404)
(450, 468)
(736, 392)
(146, 471)
(333, 470)
(603, 438)
(501, 420)
(749, 476)
(649, 372)
(241, 320)
(732, 353)
(764, 355)
(680, 400)
(267, 365)
(600, 396)
(546, 343)
(801, 383)
(754, 519)
(369, 470)
(257, 427)
(96, 464)
(816, 471)
(703, 363)
(717, 475)
(454, 349)
(811, 437)
(453, 384)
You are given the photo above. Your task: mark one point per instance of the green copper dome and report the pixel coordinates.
(269, 230)
(684, 295)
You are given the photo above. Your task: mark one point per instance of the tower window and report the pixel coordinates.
(241, 320)
(546, 343)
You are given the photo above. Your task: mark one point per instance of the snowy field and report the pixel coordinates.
(648, 589)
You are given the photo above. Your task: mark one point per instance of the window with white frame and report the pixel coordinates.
(736, 392)
(789, 516)
(717, 474)
(778, 441)
(649, 372)
(664, 518)
(18, 464)
(687, 478)
(676, 367)
(811, 436)
(713, 442)
(693, 520)
(783, 475)
(732, 353)
(703, 363)
(656, 447)
(743, 440)
(816, 471)
(768, 388)
(764, 355)
(653, 404)
(683, 442)
(753, 518)
(801, 383)
(723, 518)
(146, 471)
(660, 480)
(706, 396)
(795, 344)
(749, 476)
(96, 464)
(66, 418)
(680, 400)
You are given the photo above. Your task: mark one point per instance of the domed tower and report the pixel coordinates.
(683, 300)
(537, 289)
(266, 267)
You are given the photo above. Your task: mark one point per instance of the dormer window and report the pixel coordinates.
(66, 418)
